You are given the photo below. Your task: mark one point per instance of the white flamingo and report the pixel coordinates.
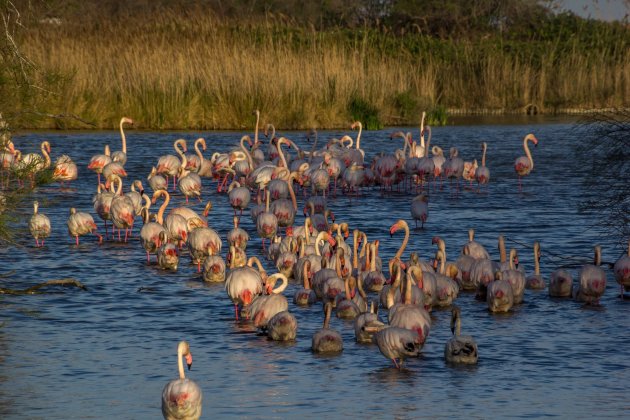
(181, 398)
(265, 307)
(396, 344)
(482, 173)
(167, 254)
(243, 284)
(282, 327)
(150, 231)
(203, 242)
(499, 297)
(39, 225)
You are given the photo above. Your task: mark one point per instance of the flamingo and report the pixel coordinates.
(237, 236)
(285, 209)
(396, 343)
(239, 197)
(482, 173)
(114, 168)
(327, 340)
(189, 184)
(348, 305)
(475, 249)
(591, 280)
(282, 327)
(438, 162)
(535, 281)
(243, 284)
(181, 398)
(150, 231)
(214, 269)
(121, 155)
(194, 162)
(374, 279)
(167, 255)
(266, 222)
(460, 348)
(65, 169)
(193, 220)
(39, 225)
(365, 322)
(408, 314)
(157, 182)
(500, 297)
(622, 271)
(400, 224)
(447, 289)
(470, 168)
(525, 164)
(265, 307)
(203, 242)
(121, 211)
(169, 165)
(305, 296)
(464, 263)
(515, 277)
(420, 209)
(34, 162)
(102, 202)
(454, 166)
(561, 283)
(80, 223)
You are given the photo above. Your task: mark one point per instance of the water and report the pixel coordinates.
(108, 352)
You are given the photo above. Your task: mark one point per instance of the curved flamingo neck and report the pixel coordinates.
(181, 143)
(305, 269)
(527, 151)
(283, 286)
(426, 148)
(122, 136)
(45, 148)
(502, 252)
(160, 215)
(512, 257)
(404, 242)
(180, 363)
(292, 177)
(415, 272)
(279, 144)
(248, 155)
(257, 112)
(199, 154)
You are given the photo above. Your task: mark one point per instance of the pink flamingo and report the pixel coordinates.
(120, 156)
(98, 162)
(420, 209)
(535, 281)
(622, 271)
(591, 280)
(482, 173)
(169, 165)
(80, 223)
(525, 164)
(181, 398)
(327, 340)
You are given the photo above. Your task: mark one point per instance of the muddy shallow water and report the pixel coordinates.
(108, 352)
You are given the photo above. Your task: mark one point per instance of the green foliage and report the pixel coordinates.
(368, 114)
(437, 116)
(407, 105)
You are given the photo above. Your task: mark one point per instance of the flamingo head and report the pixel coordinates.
(289, 231)
(435, 240)
(189, 360)
(395, 227)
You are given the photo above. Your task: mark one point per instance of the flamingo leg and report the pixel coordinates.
(198, 266)
(42, 242)
(395, 363)
(236, 311)
(126, 234)
(77, 239)
(37, 244)
(148, 259)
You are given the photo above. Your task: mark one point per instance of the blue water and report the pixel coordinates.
(107, 352)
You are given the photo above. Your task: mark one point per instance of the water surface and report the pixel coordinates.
(108, 352)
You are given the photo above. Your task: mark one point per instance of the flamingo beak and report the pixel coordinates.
(189, 360)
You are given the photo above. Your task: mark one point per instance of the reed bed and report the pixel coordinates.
(197, 72)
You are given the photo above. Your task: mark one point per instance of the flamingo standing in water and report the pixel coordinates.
(499, 297)
(150, 231)
(535, 281)
(99, 161)
(168, 165)
(157, 182)
(266, 222)
(239, 197)
(243, 284)
(482, 174)
(460, 348)
(203, 242)
(39, 225)
(181, 398)
(591, 280)
(65, 169)
(420, 209)
(121, 155)
(189, 184)
(80, 223)
(327, 340)
(622, 271)
(396, 343)
(525, 164)
(121, 211)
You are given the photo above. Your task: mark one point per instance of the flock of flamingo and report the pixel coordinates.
(315, 255)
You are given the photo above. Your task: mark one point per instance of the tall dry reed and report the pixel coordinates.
(195, 72)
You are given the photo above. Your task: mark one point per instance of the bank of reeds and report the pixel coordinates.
(196, 72)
